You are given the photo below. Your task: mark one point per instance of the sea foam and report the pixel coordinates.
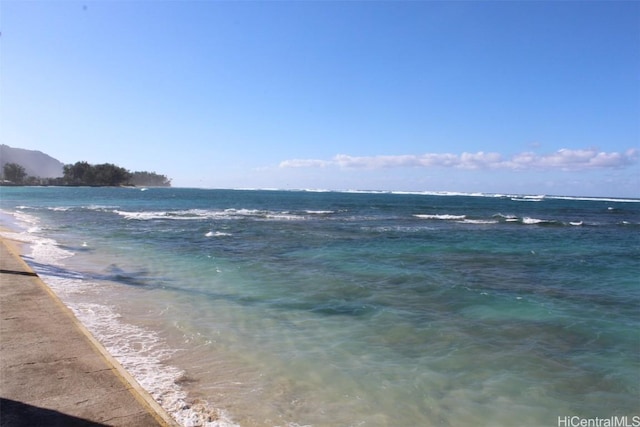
(444, 217)
(142, 352)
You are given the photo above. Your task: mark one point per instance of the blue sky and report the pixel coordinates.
(501, 97)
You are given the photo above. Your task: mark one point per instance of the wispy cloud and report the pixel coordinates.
(564, 159)
(304, 163)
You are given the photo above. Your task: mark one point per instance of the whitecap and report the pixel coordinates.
(499, 215)
(478, 221)
(141, 216)
(244, 212)
(528, 220)
(284, 216)
(217, 234)
(528, 199)
(190, 214)
(596, 199)
(320, 212)
(445, 217)
(102, 208)
(506, 218)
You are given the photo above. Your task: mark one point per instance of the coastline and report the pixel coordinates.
(52, 366)
(334, 309)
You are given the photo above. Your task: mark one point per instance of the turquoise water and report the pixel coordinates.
(265, 308)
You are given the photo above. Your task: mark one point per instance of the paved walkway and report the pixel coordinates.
(52, 371)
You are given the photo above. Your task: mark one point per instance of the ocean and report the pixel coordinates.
(311, 308)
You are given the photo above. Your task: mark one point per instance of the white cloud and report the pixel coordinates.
(566, 159)
(304, 163)
(480, 160)
(563, 159)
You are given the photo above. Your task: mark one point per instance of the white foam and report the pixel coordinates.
(199, 214)
(29, 222)
(217, 234)
(445, 193)
(506, 218)
(284, 217)
(43, 250)
(444, 217)
(529, 221)
(143, 354)
(189, 214)
(140, 351)
(595, 199)
(104, 208)
(244, 212)
(320, 212)
(527, 199)
(479, 221)
(499, 215)
(262, 214)
(398, 229)
(142, 216)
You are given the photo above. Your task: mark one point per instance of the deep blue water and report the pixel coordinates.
(336, 309)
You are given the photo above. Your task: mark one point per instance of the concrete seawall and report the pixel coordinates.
(52, 371)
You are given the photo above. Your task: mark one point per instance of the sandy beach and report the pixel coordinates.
(52, 371)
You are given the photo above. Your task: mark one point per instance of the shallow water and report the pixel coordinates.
(265, 308)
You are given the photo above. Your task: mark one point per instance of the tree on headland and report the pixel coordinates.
(106, 174)
(84, 173)
(14, 172)
(78, 173)
(150, 179)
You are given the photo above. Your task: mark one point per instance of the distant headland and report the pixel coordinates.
(28, 167)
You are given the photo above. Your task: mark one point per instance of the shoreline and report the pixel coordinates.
(103, 326)
(46, 351)
(326, 310)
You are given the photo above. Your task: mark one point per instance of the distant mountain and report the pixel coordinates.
(35, 163)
